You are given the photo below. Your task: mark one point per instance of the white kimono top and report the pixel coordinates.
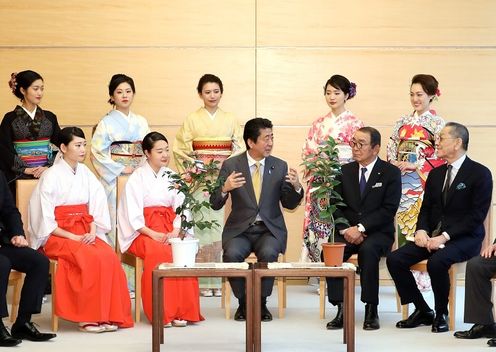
(144, 189)
(60, 185)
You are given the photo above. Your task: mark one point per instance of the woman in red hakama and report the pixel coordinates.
(146, 219)
(69, 218)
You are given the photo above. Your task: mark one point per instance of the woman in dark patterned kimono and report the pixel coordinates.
(28, 132)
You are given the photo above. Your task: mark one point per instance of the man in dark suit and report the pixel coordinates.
(450, 227)
(478, 288)
(258, 184)
(371, 190)
(15, 254)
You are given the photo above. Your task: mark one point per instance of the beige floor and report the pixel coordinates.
(300, 330)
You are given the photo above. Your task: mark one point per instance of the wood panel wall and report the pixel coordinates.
(273, 56)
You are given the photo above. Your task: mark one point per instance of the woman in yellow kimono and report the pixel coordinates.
(208, 134)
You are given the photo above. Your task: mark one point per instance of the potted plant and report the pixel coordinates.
(324, 168)
(197, 177)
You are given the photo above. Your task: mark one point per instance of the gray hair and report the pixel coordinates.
(458, 130)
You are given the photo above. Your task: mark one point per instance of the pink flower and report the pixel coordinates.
(187, 177)
(206, 194)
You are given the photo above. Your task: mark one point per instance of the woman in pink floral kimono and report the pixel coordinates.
(339, 124)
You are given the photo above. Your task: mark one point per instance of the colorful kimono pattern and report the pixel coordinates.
(413, 140)
(341, 128)
(198, 128)
(91, 285)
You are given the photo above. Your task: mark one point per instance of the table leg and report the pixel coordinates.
(155, 313)
(249, 313)
(161, 308)
(257, 314)
(349, 291)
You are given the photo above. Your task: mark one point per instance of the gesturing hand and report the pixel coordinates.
(292, 177)
(233, 181)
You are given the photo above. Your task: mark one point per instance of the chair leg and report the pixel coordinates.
(223, 293)
(405, 311)
(138, 275)
(280, 296)
(398, 301)
(55, 318)
(16, 298)
(284, 292)
(452, 298)
(227, 299)
(322, 285)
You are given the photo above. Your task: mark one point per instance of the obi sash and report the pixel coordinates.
(159, 219)
(74, 218)
(415, 141)
(34, 153)
(208, 149)
(127, 153)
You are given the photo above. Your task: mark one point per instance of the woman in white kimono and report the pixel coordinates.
(209, 134)
(116, 143)
(68, 217)
(146, 220)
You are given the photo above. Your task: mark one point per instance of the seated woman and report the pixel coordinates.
(146, 219)
(68, 217)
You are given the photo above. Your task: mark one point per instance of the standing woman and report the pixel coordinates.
(116, 143)
(28, 131)
(340, 124)
(68, 217)
(209, 134)
(146, 220)
(412, 148)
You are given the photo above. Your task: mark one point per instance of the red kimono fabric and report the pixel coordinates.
(181, 295)
(91, 285)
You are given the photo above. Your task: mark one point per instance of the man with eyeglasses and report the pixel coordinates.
(450, 228)
(371, 190)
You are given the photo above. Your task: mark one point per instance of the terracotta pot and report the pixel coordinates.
(333, 253)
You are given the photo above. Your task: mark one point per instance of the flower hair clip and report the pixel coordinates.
(13, 82)
(352, 91)
(438, 92)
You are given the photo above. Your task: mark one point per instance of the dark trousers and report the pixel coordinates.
(35, 265)
(369, 252)
(438, 265)
(478, 288)
(266, 246)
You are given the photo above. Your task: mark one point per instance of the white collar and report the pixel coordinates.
(370, 166)
(457, 164)
(30, 113)
(252, 161)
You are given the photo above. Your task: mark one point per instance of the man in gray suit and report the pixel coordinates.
(478, 305)
(258, 184)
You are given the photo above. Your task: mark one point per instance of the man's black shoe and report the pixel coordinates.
(417, 318)
(371, 321)
(6, 340)
(477, 331)
(240, 314)
(28, 331)
(337, 322)
(265, 314)
(440, 323)
(491, 343)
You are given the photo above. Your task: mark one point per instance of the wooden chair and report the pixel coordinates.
(16, 279)
(354, 260)
(130, 259)
(24, 190)
(281, 289)
(458, 268)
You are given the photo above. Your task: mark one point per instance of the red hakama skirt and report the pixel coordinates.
(181, 295)
(91, 285)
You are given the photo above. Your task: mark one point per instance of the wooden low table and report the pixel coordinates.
(302, 269)
(200, 270)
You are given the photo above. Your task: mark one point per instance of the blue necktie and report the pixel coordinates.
(363, 181)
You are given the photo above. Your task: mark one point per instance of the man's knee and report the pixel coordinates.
(267, 255)
(234, 254)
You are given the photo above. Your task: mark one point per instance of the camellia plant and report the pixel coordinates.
(324, 168)
(197, 177)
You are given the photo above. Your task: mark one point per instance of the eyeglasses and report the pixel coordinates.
(439, 139)
(358, 145)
